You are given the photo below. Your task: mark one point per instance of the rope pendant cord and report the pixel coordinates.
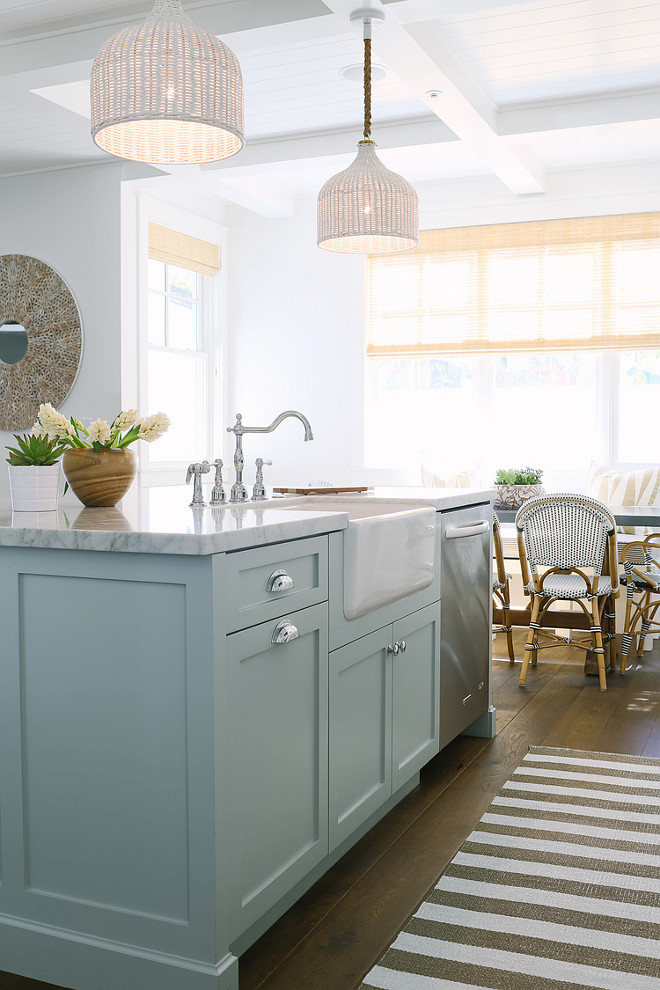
(367, 89)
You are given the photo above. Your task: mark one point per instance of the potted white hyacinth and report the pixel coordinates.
(97, 463)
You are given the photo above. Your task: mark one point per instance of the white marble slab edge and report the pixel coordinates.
(160, 520)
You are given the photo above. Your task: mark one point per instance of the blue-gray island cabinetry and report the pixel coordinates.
(176, 734)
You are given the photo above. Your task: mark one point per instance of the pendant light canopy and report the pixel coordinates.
(367, 209)
(167, 92)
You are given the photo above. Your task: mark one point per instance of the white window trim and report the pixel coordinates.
(138, 210)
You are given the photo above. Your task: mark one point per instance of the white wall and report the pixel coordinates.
(297, 331)
(296, 312)
(296, 342)
(71, 220)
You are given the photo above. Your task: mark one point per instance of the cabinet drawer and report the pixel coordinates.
(266, 582)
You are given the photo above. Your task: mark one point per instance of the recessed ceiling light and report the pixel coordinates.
(356, 72)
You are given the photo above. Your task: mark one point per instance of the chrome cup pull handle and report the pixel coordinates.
(284, 632)
(280, 581)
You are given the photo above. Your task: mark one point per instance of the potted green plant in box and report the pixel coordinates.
(517, 485)
(34, 472)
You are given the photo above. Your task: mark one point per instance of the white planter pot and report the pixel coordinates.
(34, 489)
(514, 496)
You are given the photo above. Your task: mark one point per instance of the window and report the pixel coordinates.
(499, 341)
(179, 347)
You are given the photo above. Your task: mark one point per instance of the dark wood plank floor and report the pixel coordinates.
(338, 930)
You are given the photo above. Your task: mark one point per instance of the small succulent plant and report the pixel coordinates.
(35, 451)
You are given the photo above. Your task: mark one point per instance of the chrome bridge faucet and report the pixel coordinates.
(239, 492)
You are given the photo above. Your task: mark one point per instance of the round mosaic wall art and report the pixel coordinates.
(40, 339)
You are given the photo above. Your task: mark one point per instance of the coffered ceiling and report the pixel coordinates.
(473, 88)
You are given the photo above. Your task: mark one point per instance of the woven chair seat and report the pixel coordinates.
(569, 587)
(648, 580)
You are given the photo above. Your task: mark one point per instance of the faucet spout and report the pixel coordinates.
(238, 489)
(239, 429)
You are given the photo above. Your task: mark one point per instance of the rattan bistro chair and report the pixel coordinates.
(501, 590)
(641, 566)
(568, 553)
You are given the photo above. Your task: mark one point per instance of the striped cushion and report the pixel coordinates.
(614, 487)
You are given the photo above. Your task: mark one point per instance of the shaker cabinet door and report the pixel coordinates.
(415, 692)
(360, 732)
(278, 758)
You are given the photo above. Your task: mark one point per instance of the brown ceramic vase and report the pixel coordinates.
(99, 477)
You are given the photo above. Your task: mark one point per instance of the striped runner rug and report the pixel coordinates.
(557, 888)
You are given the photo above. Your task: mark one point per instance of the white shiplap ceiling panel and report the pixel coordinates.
(299, 88)
(539, 50)
(523, 88)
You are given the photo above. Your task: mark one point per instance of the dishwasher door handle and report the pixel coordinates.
(467, 529)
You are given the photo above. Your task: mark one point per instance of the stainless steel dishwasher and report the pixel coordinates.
(465, 596)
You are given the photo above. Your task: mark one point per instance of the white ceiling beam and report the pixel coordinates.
(249, 189)
(422, 60)
(606, 108)
(324, 144)
(268, 199)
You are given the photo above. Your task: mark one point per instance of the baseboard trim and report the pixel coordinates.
(81, 962)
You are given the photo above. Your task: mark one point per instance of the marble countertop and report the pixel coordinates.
(160, 520)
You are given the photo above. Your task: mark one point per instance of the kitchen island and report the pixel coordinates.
(191, 732)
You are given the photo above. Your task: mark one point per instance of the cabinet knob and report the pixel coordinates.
(284, 632)
(393, 651)
(403, 646)
(280, 581)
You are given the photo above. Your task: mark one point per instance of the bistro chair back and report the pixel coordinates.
(568, 553)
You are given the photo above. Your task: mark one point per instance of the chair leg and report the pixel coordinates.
(598, 649)
(506, 628)
(628, 635)
(531, 646)
(609, 629)
(646, 625)
(645, 605)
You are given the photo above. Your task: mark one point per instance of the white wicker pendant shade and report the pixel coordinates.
(167, 92)
(367, 208)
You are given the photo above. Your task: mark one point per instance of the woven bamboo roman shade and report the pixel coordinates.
(167, 92)
(182, 250)
(591, 283)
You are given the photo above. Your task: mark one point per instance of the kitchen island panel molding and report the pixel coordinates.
(108, 774)
(165, 724)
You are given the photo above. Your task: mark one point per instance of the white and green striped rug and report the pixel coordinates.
(557, 888)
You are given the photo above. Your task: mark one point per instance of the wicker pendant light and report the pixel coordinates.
(367, 209)
(167, 92)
